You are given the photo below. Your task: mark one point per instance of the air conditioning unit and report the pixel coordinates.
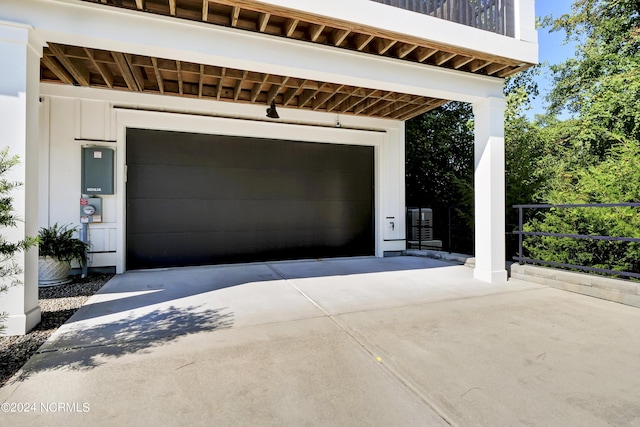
(421, 221)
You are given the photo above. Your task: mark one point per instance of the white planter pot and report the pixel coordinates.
(52, 272)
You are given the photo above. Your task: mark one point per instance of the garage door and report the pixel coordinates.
(196, 199)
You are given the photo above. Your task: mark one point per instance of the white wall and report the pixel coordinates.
(78, 116)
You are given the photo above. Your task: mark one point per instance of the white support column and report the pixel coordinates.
(489, 189)
(20, 55)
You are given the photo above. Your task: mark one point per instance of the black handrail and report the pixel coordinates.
(520, 232)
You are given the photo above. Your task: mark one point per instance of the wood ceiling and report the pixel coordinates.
(119, 70)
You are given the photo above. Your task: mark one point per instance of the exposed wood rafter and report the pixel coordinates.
(118, 70)
(102, 68)
(263, 21)
(79, 72)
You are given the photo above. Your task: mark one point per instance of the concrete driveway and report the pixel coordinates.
(348, 342)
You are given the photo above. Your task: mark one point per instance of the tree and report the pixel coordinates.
(439, 167)
(594, 156)
(439, 155)
(601, 85)
(615, 180)
(8, 267)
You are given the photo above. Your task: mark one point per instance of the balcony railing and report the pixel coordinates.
(491, 15)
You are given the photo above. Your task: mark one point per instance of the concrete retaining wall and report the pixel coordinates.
(616, 290)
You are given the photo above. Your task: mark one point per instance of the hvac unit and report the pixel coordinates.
(421, 224)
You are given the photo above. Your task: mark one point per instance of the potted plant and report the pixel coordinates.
(57, 248)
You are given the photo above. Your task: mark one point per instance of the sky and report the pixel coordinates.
(551, 48)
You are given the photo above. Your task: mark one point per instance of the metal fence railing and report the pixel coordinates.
(491, 15)
(521, 233)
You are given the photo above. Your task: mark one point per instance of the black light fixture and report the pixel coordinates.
(271, 111)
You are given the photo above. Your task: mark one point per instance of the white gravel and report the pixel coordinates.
(57, 303)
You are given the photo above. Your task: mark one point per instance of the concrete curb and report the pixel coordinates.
(466, 260)
(616, 290)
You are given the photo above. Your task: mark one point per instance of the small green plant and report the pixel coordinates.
(9, 269)
(58, 242)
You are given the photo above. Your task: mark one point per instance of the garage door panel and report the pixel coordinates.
(179, 148)
(200, 199)
(243, 215)
(168, 182)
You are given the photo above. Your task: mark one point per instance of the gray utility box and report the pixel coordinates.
(97, 170)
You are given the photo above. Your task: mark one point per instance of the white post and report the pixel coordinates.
(525, 20)
(489, 189)
(20, 55)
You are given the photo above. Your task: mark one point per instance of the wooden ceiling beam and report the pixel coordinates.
(257, 88)
(491, 69)
(383, 45)
(424, 53)
(125, 71)
(275, 89)
(235, 14)
(372, 102)
(263, 21)
(180, 83)
(103, 68)
(338, 36)
(140, 4)
(315, 31)
(442, 57)
(135, 70)
(362, 40)
(288, 96)
(322, 98)
(336, 101)
(58, 70)
(238, 88)
(79, 72)
(357, 101)
(512, 70)
(219, 87)
(172, 7)
(200, 80)
(413, 112)
(405, 50)
(383, 103)
(205, 10)
(477, 65)
(290, 27)
(459, 61)
(158, 75)
(308, 95)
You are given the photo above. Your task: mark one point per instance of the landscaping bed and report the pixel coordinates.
(58, 303)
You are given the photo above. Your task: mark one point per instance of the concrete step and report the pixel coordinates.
(616, 290)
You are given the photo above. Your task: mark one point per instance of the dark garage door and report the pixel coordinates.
(196, 199)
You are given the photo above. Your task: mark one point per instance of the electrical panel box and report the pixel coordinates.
(90, 210)
(97, 170)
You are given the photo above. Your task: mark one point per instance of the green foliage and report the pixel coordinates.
(593, 156)
(615, 180)
(9, 269)
(58, 242)
(439, 152)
